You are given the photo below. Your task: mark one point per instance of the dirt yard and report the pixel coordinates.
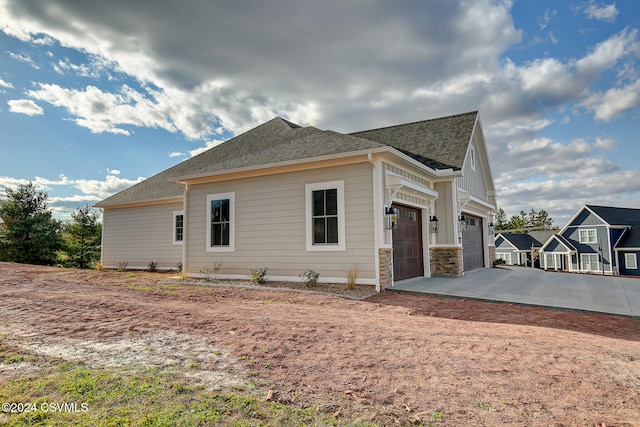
(389, 359)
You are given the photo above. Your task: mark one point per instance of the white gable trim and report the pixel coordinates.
(506, 240)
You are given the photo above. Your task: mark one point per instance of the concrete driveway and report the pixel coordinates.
(530, 286)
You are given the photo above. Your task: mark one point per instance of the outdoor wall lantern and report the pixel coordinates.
(392, 217)
(462, 223)
(492, 228)
(434, 224)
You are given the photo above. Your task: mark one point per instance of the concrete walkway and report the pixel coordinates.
(613, 295)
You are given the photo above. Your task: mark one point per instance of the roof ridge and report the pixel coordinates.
(612, 207)
(416, 122)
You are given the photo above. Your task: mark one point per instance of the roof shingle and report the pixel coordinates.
(437, 143)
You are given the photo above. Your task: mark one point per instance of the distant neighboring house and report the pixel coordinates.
(598, 239)
(413, 200)
(520, 248)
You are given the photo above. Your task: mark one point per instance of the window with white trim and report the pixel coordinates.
(589, 262)
(549, 260)
(506, 257)
(221, 222)
(178, 227)
(630, 262)
(325, 216)
(588, 236)
(472, 155)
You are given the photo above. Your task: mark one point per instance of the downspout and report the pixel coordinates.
(102, 239)
(376, 214)
(185, 190)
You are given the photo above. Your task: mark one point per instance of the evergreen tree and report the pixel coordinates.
(83, 235)
(31, 234)
(518, 223)
(500, 220)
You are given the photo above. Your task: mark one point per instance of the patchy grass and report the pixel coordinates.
(60, 393)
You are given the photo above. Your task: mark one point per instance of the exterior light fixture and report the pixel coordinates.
(462, 223)
(433, 221)
(492, 228)
(392, 217)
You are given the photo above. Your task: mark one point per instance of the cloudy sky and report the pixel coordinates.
(96, 95)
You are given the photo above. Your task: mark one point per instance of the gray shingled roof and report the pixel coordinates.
(438, 143)
(521, 241)
(277, 140)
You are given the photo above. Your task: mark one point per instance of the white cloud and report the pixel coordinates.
(5, 84)
(101, 111)
(601, 12)
(20, 57)
(544, 20)
(25, 106)
(206, 68)
(612, 103)
(208, 145)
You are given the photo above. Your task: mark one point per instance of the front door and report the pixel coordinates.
(407, 244)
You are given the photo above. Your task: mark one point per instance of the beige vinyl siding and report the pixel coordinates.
(447, 213)
(270, 224)
(138, 235)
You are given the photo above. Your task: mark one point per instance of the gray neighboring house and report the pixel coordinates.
(521, 248)
(598, 239)
(413, 200)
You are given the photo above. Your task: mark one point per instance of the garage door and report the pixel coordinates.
(472, 247)
(407, 244)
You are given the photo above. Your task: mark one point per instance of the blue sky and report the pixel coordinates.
(96, 95)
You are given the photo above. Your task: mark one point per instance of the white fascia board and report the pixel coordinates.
(506, 240)
(481, 202)
(281, 164)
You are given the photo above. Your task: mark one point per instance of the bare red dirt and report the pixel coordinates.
(389, 359)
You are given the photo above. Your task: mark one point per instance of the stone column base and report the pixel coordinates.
(446, 262)
(492, 255)
(386, 267)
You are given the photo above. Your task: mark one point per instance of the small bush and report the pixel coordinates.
(211, 271)
(179, 267)
(152, 266)
(98, 266)
(123, 266)
(499, 261)
(259, 275)
(352, 277)
(310, 277)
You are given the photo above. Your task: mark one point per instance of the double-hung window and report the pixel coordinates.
(178, 227)
(588, 236)
(221, 222)
(590, 262)
(630, 262)
(325, 221)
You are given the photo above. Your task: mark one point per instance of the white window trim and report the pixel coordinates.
(232, 222)
(633, 265)
(173, 237)
(582, 263)
(472, 155)
(587, 230)
(309, 189)
(506, 256)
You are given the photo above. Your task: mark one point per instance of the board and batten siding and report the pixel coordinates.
(472, 179)
(270, 225)
(139, 235)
